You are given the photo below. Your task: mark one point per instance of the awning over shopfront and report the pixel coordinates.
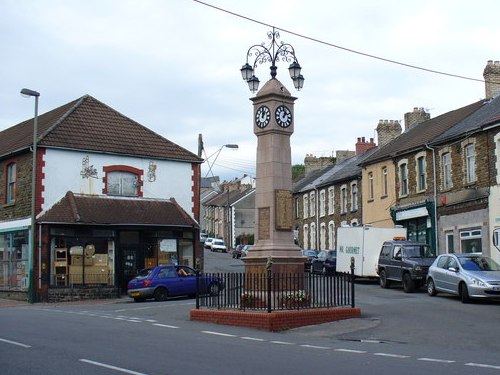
(104, 210)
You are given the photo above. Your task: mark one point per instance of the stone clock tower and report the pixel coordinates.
(273, 124)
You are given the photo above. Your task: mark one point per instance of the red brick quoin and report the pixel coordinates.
(275, 321)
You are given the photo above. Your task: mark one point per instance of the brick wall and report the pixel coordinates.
(22, 206)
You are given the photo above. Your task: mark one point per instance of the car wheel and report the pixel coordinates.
(160, 294)
(139, 299)
(464, 293)
(213, 288)
(384, 283)
(431, 288)
(408, 283)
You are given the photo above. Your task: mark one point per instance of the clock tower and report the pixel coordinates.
(273, 125)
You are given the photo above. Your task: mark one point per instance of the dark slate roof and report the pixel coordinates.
(302, 184)
(223, 197)
(488, 114)
(349, 169)
(89, 125)
(104, 210)
(422, 133)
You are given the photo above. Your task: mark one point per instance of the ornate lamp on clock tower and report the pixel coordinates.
(273, 125)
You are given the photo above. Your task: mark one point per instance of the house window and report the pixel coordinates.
(370, 185)
(343, 199)
(322, 203)
(306, 237)
(313, 236)
(297, 208)
(450, 246)
(421, 173)
(331, 235)
(470, 163)
(10, 195)
(306, 206)
(322, 236)
(331, 200)
(123, 181)
(403, 179)
(312, 202)
(471, 241)
(384, 182)
(446, 163)
(354, 196)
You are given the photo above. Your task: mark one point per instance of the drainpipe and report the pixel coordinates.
(435, 195)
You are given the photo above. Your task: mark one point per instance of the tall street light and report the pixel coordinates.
(217, 153)
(273, 53)
(31, 288)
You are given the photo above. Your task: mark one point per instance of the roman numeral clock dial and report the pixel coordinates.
(283, 116)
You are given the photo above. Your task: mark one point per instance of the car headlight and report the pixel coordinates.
(417, 268)
(477, 282)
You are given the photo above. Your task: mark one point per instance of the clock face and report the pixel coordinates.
(283, 116)
(262, 116)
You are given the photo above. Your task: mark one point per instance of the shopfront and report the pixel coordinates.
(418, 222)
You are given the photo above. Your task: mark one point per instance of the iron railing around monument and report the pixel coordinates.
(270, 291)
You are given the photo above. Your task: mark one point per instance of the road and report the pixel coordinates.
(398, 332)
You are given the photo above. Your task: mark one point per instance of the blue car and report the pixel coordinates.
(161, 282)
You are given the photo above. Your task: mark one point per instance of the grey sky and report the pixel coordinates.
(173, 65)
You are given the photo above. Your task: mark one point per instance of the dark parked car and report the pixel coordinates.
(465, 275)
(161, 282)
(405, 262)
(326, 262)
(311, 255)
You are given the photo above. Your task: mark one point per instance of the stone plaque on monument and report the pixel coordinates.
(284, 209)
(264, 223)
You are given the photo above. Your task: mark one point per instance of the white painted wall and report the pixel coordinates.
(63, 173)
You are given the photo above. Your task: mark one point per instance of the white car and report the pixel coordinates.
(208, 243)
(218, 245)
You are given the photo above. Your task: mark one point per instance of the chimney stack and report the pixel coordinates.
(362, 145)
(387, 130)
(491, 75)
(416, 117)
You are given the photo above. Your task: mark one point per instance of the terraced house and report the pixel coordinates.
(111, 197)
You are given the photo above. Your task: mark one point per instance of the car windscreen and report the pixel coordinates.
(479, 264)
(418, 251)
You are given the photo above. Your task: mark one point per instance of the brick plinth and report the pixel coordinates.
(275, 321)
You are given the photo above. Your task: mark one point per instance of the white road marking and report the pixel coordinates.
(15, 343)
(482, 365)
(218, 333)
(164, 325)
(282, 342)
(351, 351)
(112, 367)
(315, 347)
(391, 355)
(435, 360)
(251, 338)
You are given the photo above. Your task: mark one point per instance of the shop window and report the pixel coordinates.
(471, 241)
(14, 260)
(11, 174)
(123, 181)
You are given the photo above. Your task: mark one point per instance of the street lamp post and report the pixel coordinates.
(273, 53)
(31, 288)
